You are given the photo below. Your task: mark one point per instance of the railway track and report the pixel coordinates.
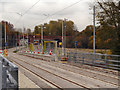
(62, 78)
(96, 68)
(96, 75)
(37, 74)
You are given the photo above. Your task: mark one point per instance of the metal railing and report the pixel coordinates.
(8, 73)
(100, 60)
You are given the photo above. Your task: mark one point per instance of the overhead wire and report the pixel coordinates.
(31, 7)
(59, 11)
(27, 11)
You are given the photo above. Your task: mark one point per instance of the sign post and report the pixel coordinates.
(75, 44)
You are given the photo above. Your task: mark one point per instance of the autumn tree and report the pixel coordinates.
(54, 28)
(108, 18)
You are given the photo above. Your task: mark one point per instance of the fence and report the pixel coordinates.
(8, 73)
(101, 60)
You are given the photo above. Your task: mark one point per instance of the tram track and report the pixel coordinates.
(36, 74)
(49, 73)
(81, 73)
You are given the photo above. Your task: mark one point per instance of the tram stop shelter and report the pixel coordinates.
(50, 46)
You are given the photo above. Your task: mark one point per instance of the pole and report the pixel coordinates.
(119, 18)
(1, 35)
(42, 36)
(23, 36)
(5, 38)
(27, 40)
(62, 38)
(16, 42)
(94, 30)
(19, 40)
(39, 41)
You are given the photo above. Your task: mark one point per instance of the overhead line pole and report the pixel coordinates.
(5, 38)
(94, 30)
(42, 38)
(62, 37)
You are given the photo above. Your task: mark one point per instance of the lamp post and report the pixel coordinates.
(93, 29)
(63, 58)
(42, 37)
(5, 38)
(33, 43)
(63, 37)
(23, 25)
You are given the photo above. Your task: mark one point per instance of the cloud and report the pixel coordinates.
(78, 13)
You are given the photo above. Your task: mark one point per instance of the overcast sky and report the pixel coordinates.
(10, 10)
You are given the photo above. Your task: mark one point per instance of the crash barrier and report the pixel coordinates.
(8, 74)
(100, 60)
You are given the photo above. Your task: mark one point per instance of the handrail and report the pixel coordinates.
(9, 73)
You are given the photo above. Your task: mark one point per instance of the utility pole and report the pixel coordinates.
(27, 40)
(19, 40)
(1, 35)
(16, 41)
(119, 32)
(5, 39)
(42, 38)
(63, 37)
(23, 36)
(94, 30)
(119, 18)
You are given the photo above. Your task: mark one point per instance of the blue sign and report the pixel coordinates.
(75, 43)
(5, 44)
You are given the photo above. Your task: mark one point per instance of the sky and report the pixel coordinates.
(29, 13)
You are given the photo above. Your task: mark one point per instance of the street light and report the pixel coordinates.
(93, 29)
(5, 37)
(33, 43)
(63, 37)
(42, 37)
(23, 26)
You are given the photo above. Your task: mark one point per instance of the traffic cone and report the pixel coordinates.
(50, 52)
(42, 51)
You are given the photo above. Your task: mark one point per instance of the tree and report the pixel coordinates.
(36, 30)
(29, 31)
(83, 37)
(108, 16)
(10, 32)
